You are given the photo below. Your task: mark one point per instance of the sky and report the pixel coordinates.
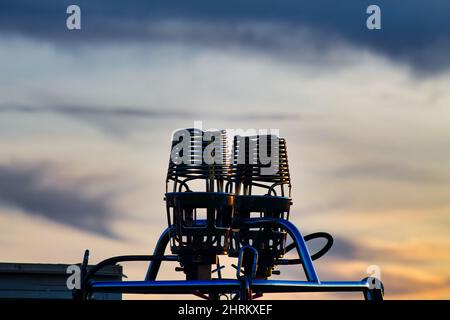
(86, 118)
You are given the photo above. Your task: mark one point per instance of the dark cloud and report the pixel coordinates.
(37, 190)
(415, 32)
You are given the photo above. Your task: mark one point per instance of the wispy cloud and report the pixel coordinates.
(120, 121)
(93, 112)
(141, 113)
(39, 191)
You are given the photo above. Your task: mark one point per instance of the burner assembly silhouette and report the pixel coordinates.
(261, 195)
(234, 203)
(201, 218)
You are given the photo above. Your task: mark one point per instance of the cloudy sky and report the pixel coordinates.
(86, 118)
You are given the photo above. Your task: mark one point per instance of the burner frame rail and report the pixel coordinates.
(244, 286)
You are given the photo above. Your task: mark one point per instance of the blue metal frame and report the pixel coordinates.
(228, 286)
(243, 285)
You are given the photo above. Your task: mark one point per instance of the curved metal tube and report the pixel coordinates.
(160, 248)
(315, 256)
(252, 272)
(302, 249)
